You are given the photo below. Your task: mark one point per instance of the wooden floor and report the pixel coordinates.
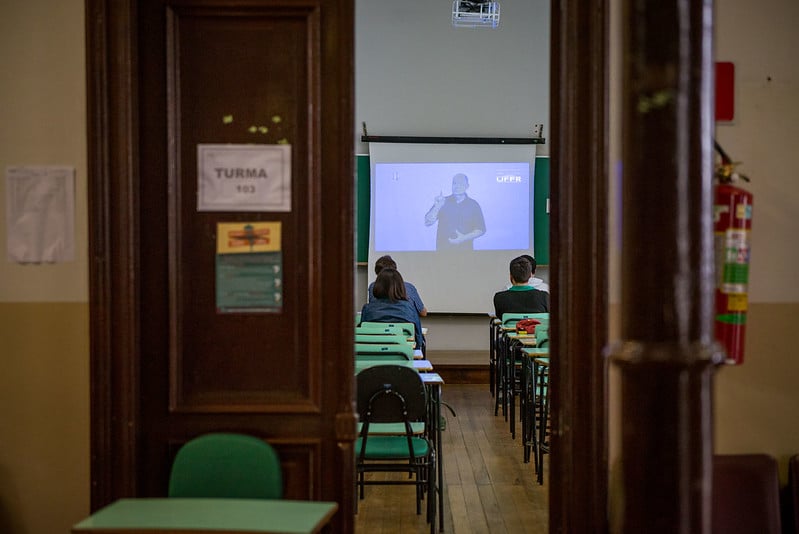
(488, 487)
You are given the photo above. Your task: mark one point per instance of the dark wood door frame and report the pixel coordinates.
(578, 495)
(579, 265)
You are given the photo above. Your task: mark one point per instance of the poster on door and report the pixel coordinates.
(249, 267)
(244, 178)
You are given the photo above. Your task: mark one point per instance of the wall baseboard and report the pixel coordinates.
(461, 366)
(464, 374)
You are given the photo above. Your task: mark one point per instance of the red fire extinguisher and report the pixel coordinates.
(732, 227)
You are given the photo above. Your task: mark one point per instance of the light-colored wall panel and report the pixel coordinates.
(44, 311)
(760, 38)
(417, 75)
(43, 122)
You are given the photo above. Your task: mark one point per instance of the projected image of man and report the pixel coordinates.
(460, 218)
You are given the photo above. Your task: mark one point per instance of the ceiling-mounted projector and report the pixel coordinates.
(475, 14)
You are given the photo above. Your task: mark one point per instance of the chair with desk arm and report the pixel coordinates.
(396, 351)
(364, 362)
(382, 339)
(379, 328)
(534, 407)
(387, 428)
(395, 394)
(494, 324)
(409, 329)
(509, 365)
(542, 335)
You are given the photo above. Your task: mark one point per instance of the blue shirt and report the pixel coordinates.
(399, 311)
(411, 292)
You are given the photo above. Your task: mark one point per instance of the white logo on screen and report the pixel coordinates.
(509, 179)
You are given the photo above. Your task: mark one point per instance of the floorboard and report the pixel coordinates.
(488, 487)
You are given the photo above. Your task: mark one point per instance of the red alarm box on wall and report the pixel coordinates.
(725, 91)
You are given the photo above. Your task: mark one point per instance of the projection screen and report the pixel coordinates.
(452, 216)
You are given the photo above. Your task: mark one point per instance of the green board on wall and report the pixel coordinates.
(540, 212)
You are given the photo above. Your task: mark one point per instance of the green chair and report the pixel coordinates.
(408, 328)
(396, 351)
(382, 339)
(395, 394)
(379, 328)
(510, 319)
(364, 362)
(542, 335)
(226, 465)
(507, 376)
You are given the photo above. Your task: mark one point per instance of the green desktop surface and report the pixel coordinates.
(212, 515)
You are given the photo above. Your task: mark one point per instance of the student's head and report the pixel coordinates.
(384, 262)
(389, 285)
(531, 260)
(520, 270)
(460, 183)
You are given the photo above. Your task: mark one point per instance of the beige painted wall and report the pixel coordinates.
(754, 403)
(44, 311)
(43, 122)
(44, 417)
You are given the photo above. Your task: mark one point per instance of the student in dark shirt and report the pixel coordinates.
(391, 304)
(520, 298)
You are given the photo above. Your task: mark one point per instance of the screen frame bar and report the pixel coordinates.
(453, 140)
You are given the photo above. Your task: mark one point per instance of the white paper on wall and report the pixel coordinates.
(40, 214)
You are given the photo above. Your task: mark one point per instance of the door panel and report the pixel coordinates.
(241, 77)
(167, 364)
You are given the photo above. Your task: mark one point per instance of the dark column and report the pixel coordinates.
(578, 267)
(667, 353)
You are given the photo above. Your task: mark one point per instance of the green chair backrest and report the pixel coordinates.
(510, 319)
(226, 465)
(383, 339)
(542, 335)
(408, 328)
(382, 328)
(374, 350)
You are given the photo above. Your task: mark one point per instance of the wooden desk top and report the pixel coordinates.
(536, 351)
(201, 516)
(528, 340)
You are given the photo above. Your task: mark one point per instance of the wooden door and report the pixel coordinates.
(169, 362)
